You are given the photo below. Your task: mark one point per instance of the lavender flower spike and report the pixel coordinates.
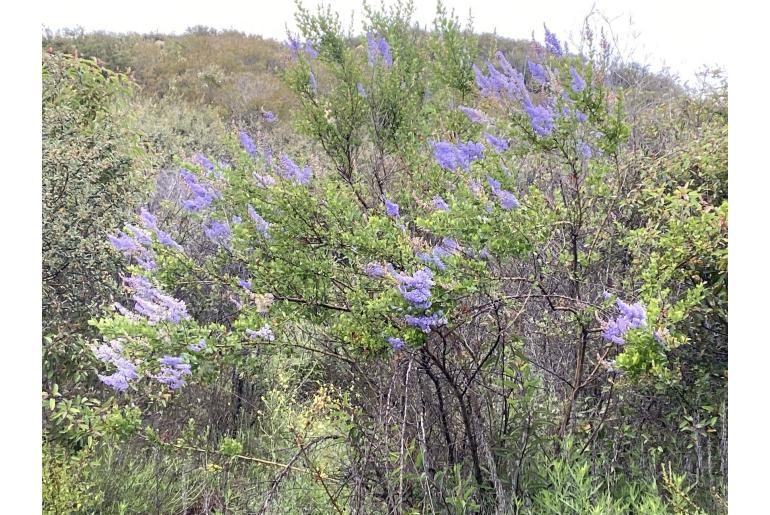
(391, 208)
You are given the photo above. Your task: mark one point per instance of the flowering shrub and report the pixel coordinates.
(445, 261)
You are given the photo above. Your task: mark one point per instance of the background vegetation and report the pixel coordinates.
(400, 272)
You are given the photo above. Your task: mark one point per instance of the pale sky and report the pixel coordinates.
(681, 34)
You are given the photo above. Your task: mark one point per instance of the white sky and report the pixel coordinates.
(682, 34)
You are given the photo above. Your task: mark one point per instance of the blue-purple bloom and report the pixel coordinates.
(499, 144)
(126, 370)
(310, 50)
(265, 333)
(294, 45)
(139, 235)
(445, 155)
(497, 84)
(218, 232)
(123, 242)
(375, 270)
(248, 144)
(507, 200)
(632, 316)
(474, 114)
(269, 117)
(244, 283)
(261, 224)
(439, 203)
(153, 304)
(450, 156)
(425, 322)
(204, 162)
(585, 150)
(395, 343)
(149, 220)
(578, 84)
(444, 249)
(542, 119)
(202, 195)
(197, 347)
(538, 72)
(416, 288)
(165, 239)
(371, 48)
(378, 47)
(172, 371)
(384, 48)
(391, 208)
(294, 172)
(552, 43)
(138, 246)
(494, 184)
(361, 90)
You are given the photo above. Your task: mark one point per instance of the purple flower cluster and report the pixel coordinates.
(425, 322)
(205, 162)
(632, 316)
(474, 115)
(294, 45)
(360, 89)
(263, 181)
(269, 117)
(197, 347)
(391, 208)
(510, 84)
(218, 232)
(375, 270)
(538, 72)
(446, 248)
(450, 156)
(261, 224)
(585, 150)
(126, 370)
(150, 222)
(439, 203)
(172, 371)
(541, 117)
(395, 343)
(132, 248)
(416, 288)
(578, 84)
(378, 47)
(506, 198)
(310, 50)
(499, 144)
(138, 245)
(202, 195)
(264, 333)
(152, 303)
(248, 144)
(268, 153)
(552, 43)
(294, 172)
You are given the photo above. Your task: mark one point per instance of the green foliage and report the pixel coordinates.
(89, 187)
